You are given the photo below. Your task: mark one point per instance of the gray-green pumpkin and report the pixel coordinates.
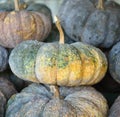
(58, 63)
(114, 62)
(38, 100)
(84, 21)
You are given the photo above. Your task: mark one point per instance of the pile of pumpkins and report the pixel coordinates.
(48, 70)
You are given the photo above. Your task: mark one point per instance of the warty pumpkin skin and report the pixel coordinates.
(17, 26)
(82, 21)
(114, 60)
(61, 64)
(38, 100)
(115, 108)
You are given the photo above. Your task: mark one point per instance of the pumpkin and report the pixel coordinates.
(83, 21)
(38, 100)
(114, 60)
(16, 26)
(58, 63)
(115, 110)
(6, 90)
(3, 59)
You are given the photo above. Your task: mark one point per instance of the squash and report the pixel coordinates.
(6, 91)
(58, 63)
(83, 21)
(17, 26)
(115, 110)
(38, 100)
(114, 60)
(3, 58)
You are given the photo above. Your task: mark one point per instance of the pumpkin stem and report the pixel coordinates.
(16, 2)
(100, 5)
(55, 90)
(61, 40)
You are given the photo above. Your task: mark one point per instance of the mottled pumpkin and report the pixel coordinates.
(58, 63)
(6, 91)
(3, 59)
(38, 100)
(115, 109)
(83, 21)
(114, 62)
(19, 25)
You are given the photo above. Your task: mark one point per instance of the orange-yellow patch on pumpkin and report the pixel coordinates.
(70, 75)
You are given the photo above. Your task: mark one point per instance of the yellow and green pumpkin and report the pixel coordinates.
(58, 63)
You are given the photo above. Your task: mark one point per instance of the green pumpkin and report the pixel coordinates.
(58, 63)
(38, 100)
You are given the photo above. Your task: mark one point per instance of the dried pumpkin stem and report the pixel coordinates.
(100, 5)
(58, 25)
(16, 2)
(55, 90)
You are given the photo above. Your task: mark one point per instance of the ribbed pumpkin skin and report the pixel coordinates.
(23, 25)
(3, 58)
(115, 109)
(83, 22)
(6, 91)
(62, 64)
(114, 60)
(36, 100)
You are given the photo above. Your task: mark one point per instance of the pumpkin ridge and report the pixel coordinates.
(106, 29)
(41, 34)
(81, 67)
(10, 27)
(3, 31)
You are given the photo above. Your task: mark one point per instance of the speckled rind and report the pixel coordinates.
(22, 60)
(114, 60)
(82, 21)
(62, 64)
(73, 102)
